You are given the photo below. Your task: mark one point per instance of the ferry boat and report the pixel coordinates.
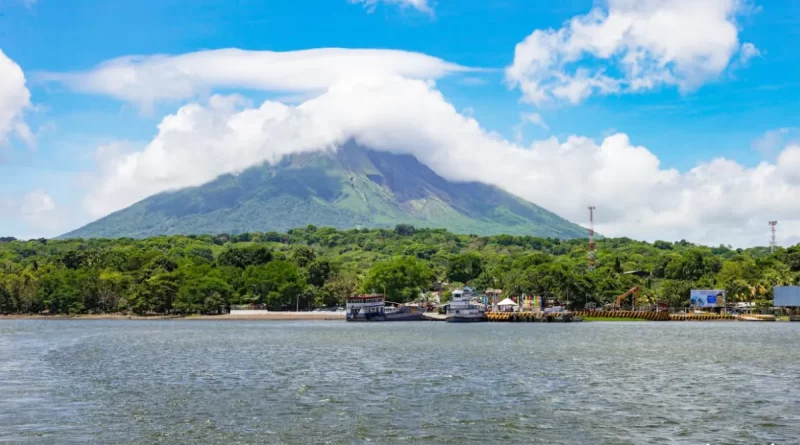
(374, 308)
(462, 309)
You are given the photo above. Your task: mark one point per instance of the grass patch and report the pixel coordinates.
(612, 319)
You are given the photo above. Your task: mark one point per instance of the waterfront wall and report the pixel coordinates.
(702, 317)
(640, 315)
(249, 311)
(656, 316)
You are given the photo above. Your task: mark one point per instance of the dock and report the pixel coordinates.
(531, 317)
(434, 316)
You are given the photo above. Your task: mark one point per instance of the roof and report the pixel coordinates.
(358, 297)
(507, 302)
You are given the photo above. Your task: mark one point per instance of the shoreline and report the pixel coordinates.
(269, 316)
(287, 316)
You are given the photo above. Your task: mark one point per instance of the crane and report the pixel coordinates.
(632, 291)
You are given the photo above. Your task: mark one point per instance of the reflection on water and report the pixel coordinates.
(195, 382)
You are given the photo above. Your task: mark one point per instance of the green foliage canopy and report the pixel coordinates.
(320, 266)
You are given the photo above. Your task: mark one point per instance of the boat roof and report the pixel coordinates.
(359, 297)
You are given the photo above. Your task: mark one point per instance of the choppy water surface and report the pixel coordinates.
(182, 382)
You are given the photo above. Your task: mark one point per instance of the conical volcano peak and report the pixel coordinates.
(350, 187)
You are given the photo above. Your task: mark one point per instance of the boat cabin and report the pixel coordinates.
(463, 295)
(365, 306)
(462, 307)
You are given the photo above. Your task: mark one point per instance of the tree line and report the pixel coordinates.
(313, 267)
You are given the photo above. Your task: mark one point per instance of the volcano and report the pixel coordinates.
(353, 187)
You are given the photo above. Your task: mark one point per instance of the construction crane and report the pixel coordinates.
(633, 291)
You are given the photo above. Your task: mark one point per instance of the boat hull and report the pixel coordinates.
(366, 319)
(389, 317)
(756, 318)
(404, 317)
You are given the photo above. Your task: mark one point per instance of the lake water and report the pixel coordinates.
(207, 382)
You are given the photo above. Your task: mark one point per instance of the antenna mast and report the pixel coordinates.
(772, 242)
(591, 238)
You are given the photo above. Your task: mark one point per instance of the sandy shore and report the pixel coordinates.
(268, 316)
(276, 316)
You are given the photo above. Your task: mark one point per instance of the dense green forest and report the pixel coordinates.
(313, 267)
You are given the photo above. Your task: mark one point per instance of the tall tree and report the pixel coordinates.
(277, 284)
(402, 278)
(465, 267)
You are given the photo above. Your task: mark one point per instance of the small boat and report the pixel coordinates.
(756, 317)
(373, 307)
(463, 310)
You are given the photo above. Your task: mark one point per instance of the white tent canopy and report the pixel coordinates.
(507, 302)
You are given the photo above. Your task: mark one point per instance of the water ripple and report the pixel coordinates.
(184, 382)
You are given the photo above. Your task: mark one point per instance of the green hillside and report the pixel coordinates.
(350, 188)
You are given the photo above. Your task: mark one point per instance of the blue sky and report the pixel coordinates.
(724, 114)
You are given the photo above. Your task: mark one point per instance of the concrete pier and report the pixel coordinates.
(434, 316)
(521, 317)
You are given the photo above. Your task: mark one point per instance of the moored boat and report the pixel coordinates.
(463, 310)
(374, 308)
(399, 312)
(756, 317)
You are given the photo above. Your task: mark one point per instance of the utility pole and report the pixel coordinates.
(591, 239)
(772, 242)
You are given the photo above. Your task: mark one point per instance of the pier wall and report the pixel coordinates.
(639, 315)
(702, 317)
(527, 317)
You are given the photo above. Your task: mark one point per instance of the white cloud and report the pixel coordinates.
(630, 46)
(535, 119)
(419, 5)
(716, 202)
(771, 141)
(145, 80)
(748, 51)
(33, 214)
(525, 119)
(40, 212)
(37, 202)
(14, 99)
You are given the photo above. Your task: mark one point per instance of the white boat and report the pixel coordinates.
(374, 308)
(462, 309)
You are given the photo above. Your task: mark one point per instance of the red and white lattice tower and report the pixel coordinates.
(591, 238)
(772, 242)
